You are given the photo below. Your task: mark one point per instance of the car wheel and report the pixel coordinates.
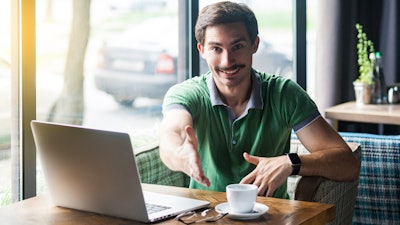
(127, 103)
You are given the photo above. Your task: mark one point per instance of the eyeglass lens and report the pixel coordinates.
(208, 215)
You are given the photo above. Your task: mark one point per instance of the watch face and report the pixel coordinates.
(296, 163)
(294, 158)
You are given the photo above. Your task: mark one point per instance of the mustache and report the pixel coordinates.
(236, 66)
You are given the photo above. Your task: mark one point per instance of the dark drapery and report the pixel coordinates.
(336, 56)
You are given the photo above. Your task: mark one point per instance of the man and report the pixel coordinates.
(233, 124)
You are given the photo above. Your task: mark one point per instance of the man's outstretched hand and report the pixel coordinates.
(192, 162)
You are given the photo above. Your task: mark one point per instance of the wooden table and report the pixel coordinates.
(39, 210)
(369, 113)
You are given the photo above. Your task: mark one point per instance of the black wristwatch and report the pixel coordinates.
(296, 163)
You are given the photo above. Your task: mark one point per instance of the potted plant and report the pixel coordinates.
(363, 85)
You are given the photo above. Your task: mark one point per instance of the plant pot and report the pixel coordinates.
(363, 92)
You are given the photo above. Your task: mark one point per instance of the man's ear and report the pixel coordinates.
(256, 43)
(201, 49)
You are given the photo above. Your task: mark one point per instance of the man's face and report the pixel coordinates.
(228, 52)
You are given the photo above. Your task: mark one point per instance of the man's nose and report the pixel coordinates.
(227, 58)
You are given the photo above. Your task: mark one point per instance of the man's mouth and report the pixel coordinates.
(231, 70)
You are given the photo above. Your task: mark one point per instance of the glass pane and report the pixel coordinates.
(5, 104)
(275, 52)
(115, 81)
(311, 43)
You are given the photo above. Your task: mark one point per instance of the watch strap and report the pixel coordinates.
(296, 163)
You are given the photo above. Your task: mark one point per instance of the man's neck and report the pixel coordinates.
(236, 97)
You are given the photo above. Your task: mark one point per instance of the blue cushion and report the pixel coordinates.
(367, 135)
(378, 191)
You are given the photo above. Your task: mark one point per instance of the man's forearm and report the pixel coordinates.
(334, 164)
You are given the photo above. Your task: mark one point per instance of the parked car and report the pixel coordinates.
(139, 63)
(142, 62)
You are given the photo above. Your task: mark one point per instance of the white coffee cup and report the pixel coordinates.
(241, 197)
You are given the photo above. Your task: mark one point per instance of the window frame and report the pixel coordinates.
(300, 42)
(23, 98)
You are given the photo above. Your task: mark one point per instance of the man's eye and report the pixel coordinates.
(238, 46)
(215, 49)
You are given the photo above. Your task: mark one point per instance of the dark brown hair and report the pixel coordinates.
(225, 12)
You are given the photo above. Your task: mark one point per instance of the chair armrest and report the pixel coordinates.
(318, 189)
(341, 194)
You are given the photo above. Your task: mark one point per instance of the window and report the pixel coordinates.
(117, 73)
(113, 72)
(5, 104)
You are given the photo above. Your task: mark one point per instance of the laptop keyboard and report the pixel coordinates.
(153, 208)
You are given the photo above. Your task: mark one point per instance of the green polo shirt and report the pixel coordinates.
(276, 106)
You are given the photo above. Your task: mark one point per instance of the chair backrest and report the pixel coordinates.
(153, 171)
(378, 190)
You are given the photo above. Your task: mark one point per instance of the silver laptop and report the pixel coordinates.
(95, 170)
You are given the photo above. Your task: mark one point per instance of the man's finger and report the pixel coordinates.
(196, 172)
(200, 178)
(205, 181)
(251, 159)
(191, 135)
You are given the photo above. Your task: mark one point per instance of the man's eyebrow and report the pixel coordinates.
(232, 43)
(213, 43)
(238, 40)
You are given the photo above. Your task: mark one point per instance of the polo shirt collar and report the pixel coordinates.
(255, 100)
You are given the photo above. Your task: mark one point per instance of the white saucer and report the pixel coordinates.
(258, 210)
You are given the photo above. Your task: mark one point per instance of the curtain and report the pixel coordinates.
(336, 52)
(389, 43)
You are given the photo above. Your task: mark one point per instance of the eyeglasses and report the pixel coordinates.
(208, 215)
